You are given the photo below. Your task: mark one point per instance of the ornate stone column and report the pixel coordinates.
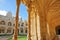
(16, 20)
(37, 25)
(29, 25)
(32, 23)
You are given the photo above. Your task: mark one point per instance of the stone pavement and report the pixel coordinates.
(4, 37)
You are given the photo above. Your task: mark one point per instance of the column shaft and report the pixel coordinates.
(29, 25)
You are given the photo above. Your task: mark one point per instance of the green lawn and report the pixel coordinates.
(20, 38)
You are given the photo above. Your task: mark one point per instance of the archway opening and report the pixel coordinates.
(24, 19)
(58, 30)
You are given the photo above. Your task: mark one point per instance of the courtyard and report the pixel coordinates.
(10, 37)
(19, 38)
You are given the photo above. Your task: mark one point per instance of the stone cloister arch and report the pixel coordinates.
(32, 6)
(37, 18)
(31, 22)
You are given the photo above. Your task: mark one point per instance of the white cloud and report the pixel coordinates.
(19, 16)
(3, 12)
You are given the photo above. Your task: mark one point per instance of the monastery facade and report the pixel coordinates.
(7, 24)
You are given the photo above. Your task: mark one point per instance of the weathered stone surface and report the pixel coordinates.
(49, 13)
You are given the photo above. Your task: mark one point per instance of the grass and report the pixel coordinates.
(20, 38)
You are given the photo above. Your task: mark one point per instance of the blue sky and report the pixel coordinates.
(10, 5)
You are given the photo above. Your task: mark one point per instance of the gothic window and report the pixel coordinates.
(2, 31)
(21, 30)
(9, 31)
(9, 24)
(18, 25)
(3, 22)
(22, 24)
(13, 31)
(26, 24)
(26, 31)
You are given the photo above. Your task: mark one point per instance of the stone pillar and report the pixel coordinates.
(32, 24)
(32, 35)
(29, 25)
(16, 26)
(16, 20)
(37, 26)
(33, 29)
